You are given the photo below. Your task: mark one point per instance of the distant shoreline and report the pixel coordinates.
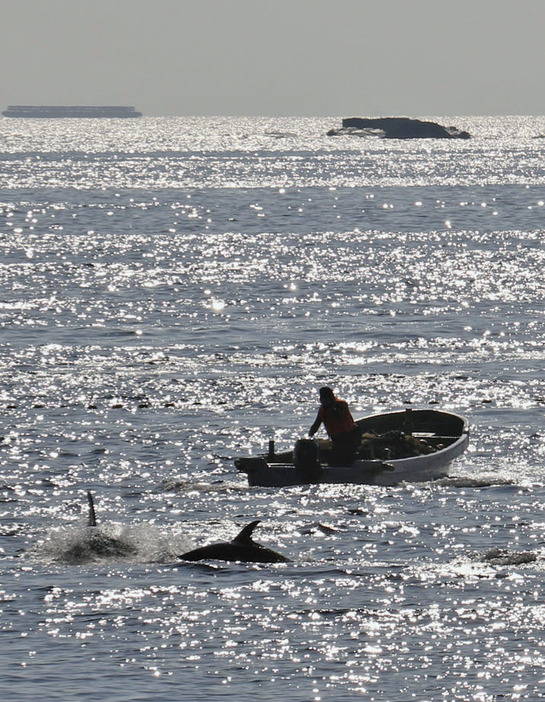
(71, 111)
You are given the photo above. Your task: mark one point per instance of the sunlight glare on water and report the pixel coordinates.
(175, 291)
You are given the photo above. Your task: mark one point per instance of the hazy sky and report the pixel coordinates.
(277, 57)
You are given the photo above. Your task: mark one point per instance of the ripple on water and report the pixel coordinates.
(172, 300)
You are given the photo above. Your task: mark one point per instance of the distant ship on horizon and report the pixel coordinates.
(70, 111)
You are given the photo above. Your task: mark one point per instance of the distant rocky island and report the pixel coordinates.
(396, 128)
(70, 111)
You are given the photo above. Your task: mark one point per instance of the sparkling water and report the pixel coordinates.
(174, 293)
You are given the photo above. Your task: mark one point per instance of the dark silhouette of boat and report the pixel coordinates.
(404, 446)
(70, 111)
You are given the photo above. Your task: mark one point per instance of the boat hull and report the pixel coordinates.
(266, 472)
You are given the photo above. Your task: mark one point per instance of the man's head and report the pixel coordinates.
(327, 396)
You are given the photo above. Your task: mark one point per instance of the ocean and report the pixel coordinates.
(174, 293)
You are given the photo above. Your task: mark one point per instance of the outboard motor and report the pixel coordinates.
(306, 459)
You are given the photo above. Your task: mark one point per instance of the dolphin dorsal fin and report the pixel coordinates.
(245, 536)
(92, 516)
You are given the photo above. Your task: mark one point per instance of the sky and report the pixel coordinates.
(276, 57)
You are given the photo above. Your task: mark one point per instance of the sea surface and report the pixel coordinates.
(173, 294)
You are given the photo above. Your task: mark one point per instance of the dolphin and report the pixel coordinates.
(92, 520)
(241, 548)
(94, 542)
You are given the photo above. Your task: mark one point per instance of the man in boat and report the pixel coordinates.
(335, 415)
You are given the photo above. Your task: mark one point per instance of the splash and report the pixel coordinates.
(110, 542)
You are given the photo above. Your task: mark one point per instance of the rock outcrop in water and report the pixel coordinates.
(397, 128)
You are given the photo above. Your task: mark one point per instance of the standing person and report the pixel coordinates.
(335, 415)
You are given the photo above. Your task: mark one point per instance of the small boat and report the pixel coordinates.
(405, 446)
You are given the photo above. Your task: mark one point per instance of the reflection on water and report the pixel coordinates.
(173, 298)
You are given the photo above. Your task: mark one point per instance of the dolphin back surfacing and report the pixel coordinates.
(242, 548)
(95, 542)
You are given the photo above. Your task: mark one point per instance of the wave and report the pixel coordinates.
(469, 482)
(220, 485)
